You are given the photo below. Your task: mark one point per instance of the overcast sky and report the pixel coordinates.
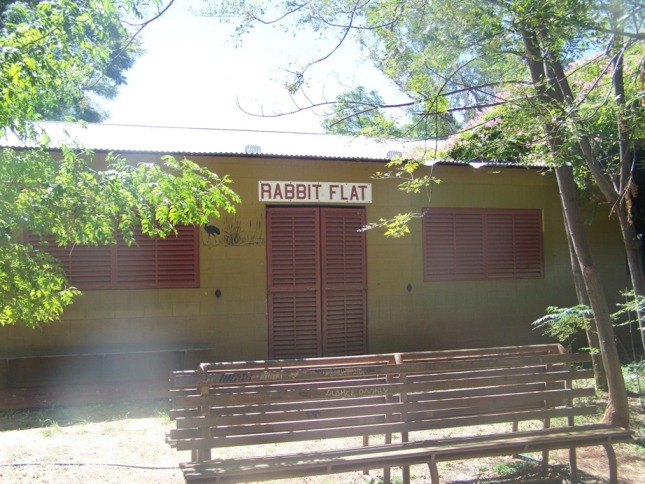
(193, 76)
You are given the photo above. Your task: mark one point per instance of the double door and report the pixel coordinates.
(317, 284)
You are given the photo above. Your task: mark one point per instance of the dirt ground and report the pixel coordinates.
(125, 443)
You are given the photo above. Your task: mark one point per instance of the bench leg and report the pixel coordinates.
(545, 463)
(573, 465)
(366, 443)
(406, 475)
(387, 472)
(514, 428)
(434, 473)
(405, 437)
(613, 465)
(387, 476)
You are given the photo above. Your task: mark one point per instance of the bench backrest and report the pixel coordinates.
(231, 404)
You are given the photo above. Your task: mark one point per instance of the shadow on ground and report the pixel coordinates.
(65, 416)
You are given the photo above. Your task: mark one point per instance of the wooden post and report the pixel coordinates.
(571, 421)
(405, 436)
(204, 453)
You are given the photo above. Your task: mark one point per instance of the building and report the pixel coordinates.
(291, 274)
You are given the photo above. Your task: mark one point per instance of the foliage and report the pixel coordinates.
(79, 204)
(357, 112)
(452, 58)
(52, 53)
(515, 469)
(56, 55)
(512, 132)
(634, 373)
(405, 172)
(634, 304)
(563, 324)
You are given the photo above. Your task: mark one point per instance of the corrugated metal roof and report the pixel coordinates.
(207, 141)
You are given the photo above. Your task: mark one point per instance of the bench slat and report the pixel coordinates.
(463, 404)
(233, 376)
(266, 394)
(190, 438)
(285, 437)
(325, 462)
(439, 381)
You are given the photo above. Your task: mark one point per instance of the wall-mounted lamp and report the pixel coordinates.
(252, 149)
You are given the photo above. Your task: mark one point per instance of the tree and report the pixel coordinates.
(504, 133)
(51, 52)
(77, 48)
(457, 57)
(121, 52)
(357, 112)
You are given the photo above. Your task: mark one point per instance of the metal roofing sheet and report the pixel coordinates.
(157, 139)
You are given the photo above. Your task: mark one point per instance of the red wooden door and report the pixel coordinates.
(316, 282)
(344, 288)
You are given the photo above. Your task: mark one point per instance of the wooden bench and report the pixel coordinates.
(411, 396)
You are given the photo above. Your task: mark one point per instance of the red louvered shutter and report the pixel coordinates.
(178, 258)
(135, 264)
(515, 244)
(158, 263)
(149, 264)
(482, 244)
(454, 244)
(85, 267)
(293, 282)
(344, 282)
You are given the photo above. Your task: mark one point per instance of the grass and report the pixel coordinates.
(11, 419)
(50, 428)
(515, 468)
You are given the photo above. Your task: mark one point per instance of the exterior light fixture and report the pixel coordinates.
(252, 149)
(394, 154)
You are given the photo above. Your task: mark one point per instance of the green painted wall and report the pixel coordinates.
(429, 316)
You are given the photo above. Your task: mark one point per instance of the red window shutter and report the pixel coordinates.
(90, 267)
(344, 282)
(158, 263)
(500, 238)
(85, 267)
(135, 264)
(150, 263)
(515, 244)
(482, 244)
(453, 243)
(293, 282)
(178, 258)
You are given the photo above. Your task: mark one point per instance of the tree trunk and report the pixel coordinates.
(590, 325)
(635, 264)
(632, 244)
(618, 197)
(617, 412)
(550, 93)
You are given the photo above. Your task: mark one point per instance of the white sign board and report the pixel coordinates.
(314, 192)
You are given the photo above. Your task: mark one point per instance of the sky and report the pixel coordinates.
(192, 75)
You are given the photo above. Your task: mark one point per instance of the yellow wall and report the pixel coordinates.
(430, 316)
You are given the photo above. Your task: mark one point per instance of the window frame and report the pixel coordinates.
(486, 250)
